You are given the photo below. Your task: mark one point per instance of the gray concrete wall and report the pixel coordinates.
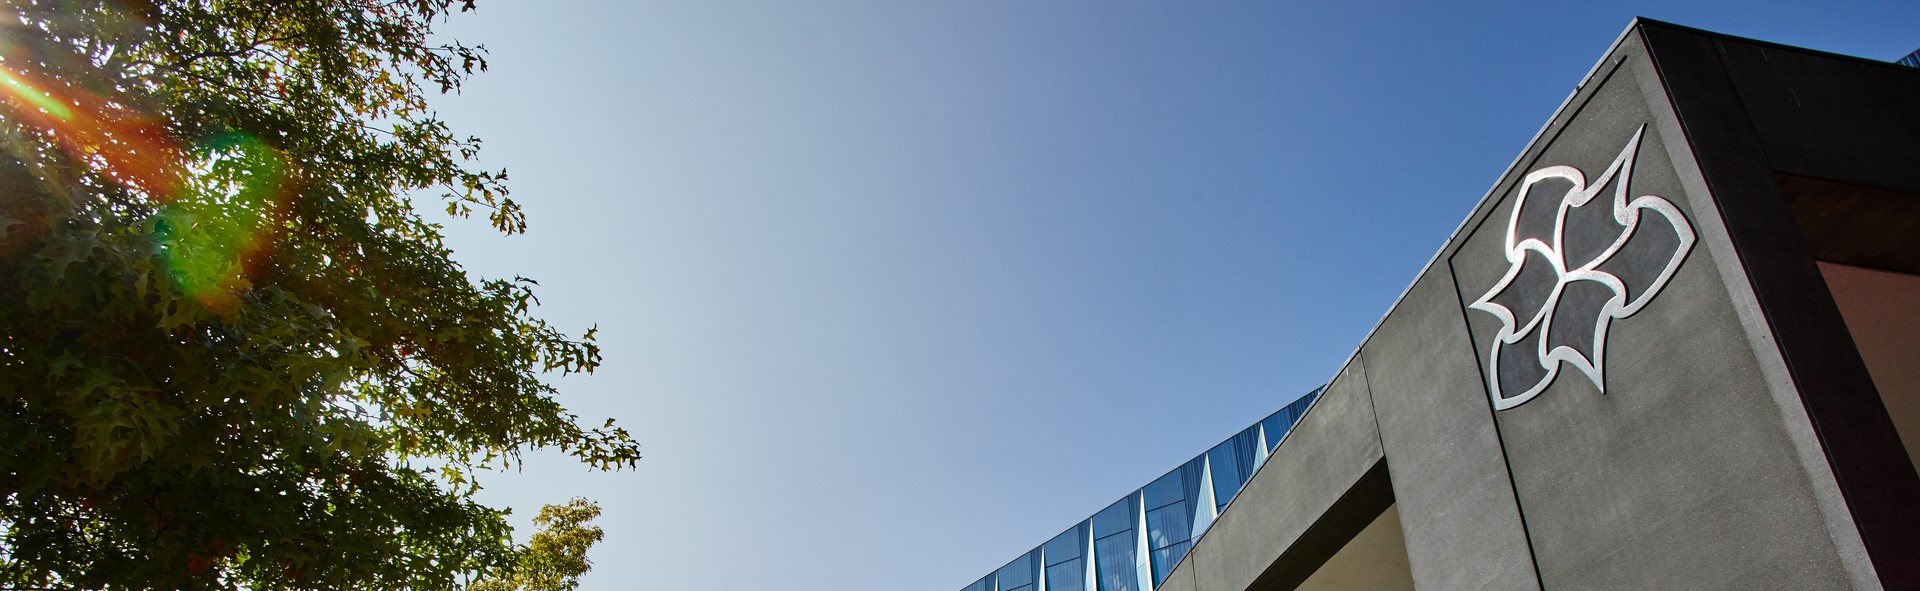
(1655, 483)
(1753, 116)
(1376, 560)
(1457, 505)
(1708, 449)
(1746, 107)
(1331, 450)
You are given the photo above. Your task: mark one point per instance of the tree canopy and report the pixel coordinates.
(556, 556)
(233, 354)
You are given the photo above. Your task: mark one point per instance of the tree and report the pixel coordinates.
(233, 354)
(556, 556)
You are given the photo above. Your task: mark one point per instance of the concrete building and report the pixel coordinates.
(1674, 347)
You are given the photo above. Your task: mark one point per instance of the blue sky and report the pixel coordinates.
(894, 291)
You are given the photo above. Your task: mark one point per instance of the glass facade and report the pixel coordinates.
(1023, 574)
(1133, 544)
(1912, 59)
(1066, 558)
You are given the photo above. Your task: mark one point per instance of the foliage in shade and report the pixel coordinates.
(232, 352)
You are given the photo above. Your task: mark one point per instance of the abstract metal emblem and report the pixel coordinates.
(1577, 265)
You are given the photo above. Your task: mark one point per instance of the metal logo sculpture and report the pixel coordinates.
(1578, 264)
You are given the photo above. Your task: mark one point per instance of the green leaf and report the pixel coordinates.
(231, 334)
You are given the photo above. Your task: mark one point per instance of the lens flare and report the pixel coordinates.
(129, 147)
(219, 197)
(34, 96)
(222, 219)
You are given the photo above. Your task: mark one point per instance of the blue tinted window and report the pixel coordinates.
(1172, 516)
(1165, 559)
(1019, 574)
(1176, 509)
(1165, 490)
(1116, 518)
(1066, 546)
(1168, 525)
(1224, 461)
(1277, 425)
(1066, 568)
(1070, 575)
(1114, 556)
(1232, 464)
(1113, 545)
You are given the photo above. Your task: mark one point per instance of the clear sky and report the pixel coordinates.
(894, 291)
